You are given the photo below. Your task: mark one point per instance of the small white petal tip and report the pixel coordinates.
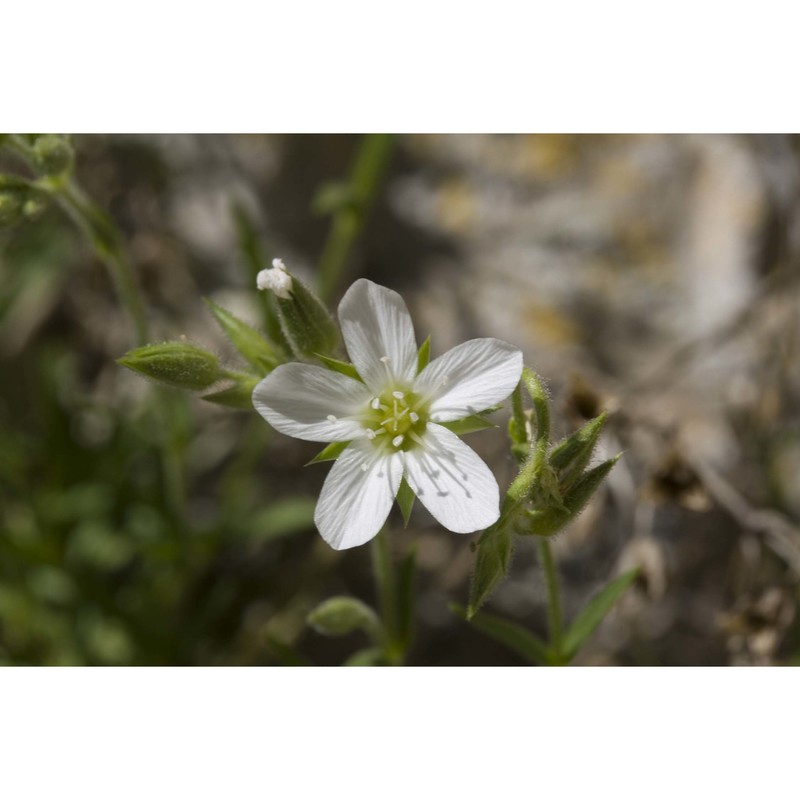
(276, 280)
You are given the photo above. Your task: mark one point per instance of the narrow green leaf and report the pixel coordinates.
(238, 395)
(512, 635)
(595, 612)
(424, 355)
(339, 366)
(329, 453)
(253, 346)
(254, 260)
(495, 548)
(406, 580)
(405, 499)
(476, 422)
(282, 518)
(339, 616)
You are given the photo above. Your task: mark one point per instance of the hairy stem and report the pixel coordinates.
(553, 599)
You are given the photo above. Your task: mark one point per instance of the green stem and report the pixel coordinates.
(553, 599)
(385, 584)
(369, 167)
(106, 241)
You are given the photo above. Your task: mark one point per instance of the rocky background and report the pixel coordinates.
(655, 277)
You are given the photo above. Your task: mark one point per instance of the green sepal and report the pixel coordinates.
(306, 323)
(405, 500)
(237, 395)
(329, 453)
(570, 456)
(424, 355)
(339, 616)
(340, 366)
(476, 422)
(495, 548)
(549, 521)
(178, 364)
(594, 612)
(253, 346)
(512, 635)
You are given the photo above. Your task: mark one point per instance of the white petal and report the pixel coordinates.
(469, 378)
(354, 501)
(452, 482)
(375, 323)
(298, 399)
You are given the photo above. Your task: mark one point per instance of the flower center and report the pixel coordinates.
(396, 419)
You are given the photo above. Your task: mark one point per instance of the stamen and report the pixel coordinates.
(385, 359)
(330, 418)
(416, 439)
(371, 434)
(398, 395)
(376, 403)
(397, 441)
(403, 413)
(364, 467)
(413, 416)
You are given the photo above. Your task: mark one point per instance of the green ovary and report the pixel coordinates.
(396, 419)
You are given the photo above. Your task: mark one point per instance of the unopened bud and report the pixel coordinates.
(342, 615)
(305, 322)
(52, 155)
(178, 364)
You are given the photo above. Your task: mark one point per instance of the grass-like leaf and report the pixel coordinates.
(595, 612)
(512, 635)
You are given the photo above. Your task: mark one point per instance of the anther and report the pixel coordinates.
(370, 433)
(364, 467)
(398, 395)
(330, 418)
(397, 441)
(385, 359)
(376, 403)
(413, 416)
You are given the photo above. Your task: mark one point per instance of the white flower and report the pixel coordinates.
(393, 420)
(276, 279)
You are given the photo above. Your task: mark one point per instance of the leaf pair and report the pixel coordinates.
(532, 648)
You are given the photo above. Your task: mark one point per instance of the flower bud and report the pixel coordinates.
(306, 324)
(549, 520)
(52, 155)
(178, 364)
(342, 615)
